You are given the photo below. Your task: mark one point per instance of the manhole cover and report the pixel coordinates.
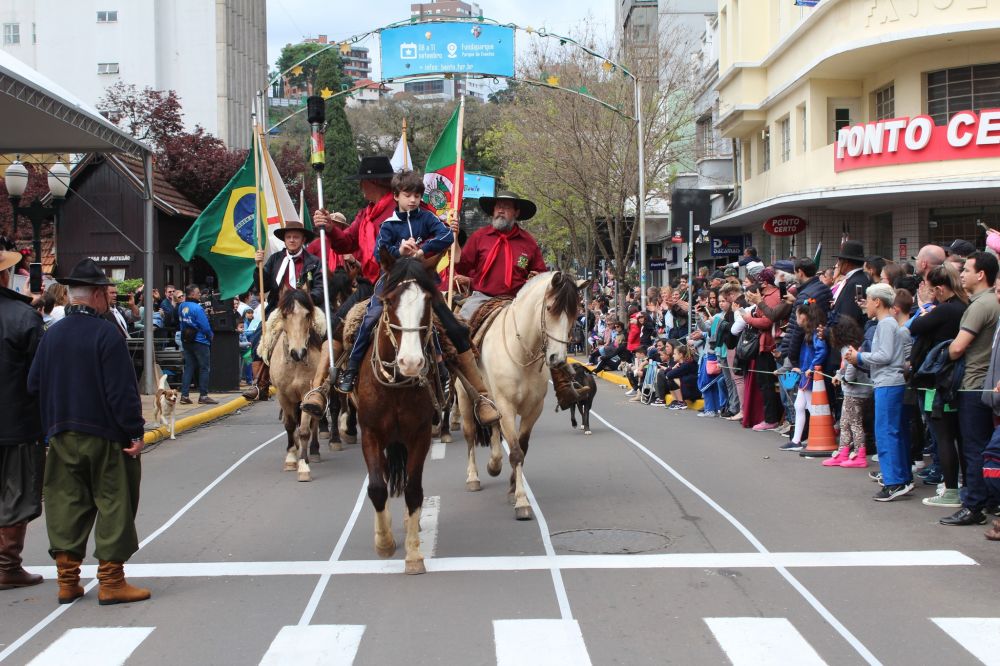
(611, 541)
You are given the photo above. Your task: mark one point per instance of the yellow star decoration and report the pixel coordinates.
(297, 70)
(552, 80)
(606, 66)
(345, 48)
(326, 93)
(529, 30)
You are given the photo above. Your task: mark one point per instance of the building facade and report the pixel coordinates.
(874, 121)
(212, 53)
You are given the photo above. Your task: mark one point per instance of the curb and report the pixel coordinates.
(162, 432)
(621, 381)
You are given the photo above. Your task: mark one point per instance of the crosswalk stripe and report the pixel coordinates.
(541, 642)
(762, 641)
(978, 635)
(94, 646)
(315, 645)
(438, 449)
(429, 525)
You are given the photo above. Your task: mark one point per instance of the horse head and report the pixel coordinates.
(562, 302)
(297, 314)
(408, 293)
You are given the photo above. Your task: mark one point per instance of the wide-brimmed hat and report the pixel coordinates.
(852, 251)
(294, 225)
(86, 274)
(8, 259)
(525, 209)
(375, 167)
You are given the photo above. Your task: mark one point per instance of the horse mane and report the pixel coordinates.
(565, 299)
(407, 268)
(292, 296)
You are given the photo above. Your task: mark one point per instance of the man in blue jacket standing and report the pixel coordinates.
(196, 334)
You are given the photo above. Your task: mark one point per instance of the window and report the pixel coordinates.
(705, 144)
(107, 17)
(803, 137)
(786, 138)
(841, 119)
(11, 33)
(962, 89)
(117, 274)
(765, 149)
(435, 87)
(107, 68)
(884, 102)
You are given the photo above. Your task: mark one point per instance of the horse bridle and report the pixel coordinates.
(381, 368)
(537, 355)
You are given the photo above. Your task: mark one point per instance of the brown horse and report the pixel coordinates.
(396, 404)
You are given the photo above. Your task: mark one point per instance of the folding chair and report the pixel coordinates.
(647, 389)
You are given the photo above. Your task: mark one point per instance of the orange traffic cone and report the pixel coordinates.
(822, 440)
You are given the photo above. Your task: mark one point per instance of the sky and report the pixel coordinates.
(289, 21)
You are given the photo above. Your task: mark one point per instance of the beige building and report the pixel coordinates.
(870, 118)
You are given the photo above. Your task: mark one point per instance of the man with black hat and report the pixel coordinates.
(850, 264)
(92, 415)
(294, 268)
(22, 454)
(497, 260)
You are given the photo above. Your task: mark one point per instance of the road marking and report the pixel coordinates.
(877, 558)
(338, 550)
(429, 525)
(54, 615)
(762, 641)
(320, 644)
(838, 626)
(94, 646)
(978, 635)
(541, 642)
(438, 450)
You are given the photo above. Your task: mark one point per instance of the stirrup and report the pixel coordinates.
(256, 397)
(326, 401)
(487, 400)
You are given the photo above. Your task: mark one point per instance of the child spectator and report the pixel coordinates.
(856, 388)
(812, 352)
(682, 379)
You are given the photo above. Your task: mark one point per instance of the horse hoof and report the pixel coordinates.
(349, 439)
(415, 567)
(305, 476)
(587, 432)
(314, 458)
(446, 438)
(494, 471)
(290, 467)
(336, 446)
(473, 486)
(386, 552)
(523, 513)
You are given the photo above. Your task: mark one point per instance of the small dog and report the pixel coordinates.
(583, 377)
(166, 401)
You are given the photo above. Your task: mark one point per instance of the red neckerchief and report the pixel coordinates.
(502, 243)
(370, 223)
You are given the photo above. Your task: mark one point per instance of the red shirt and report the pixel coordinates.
(333, 260)
(499, 262)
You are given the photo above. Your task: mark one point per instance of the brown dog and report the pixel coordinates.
(166, 401)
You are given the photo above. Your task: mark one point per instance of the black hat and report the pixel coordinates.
(86, 274)
(852, 251)
(962, 248)
(293, 225)
(375, 167)
(525, 209)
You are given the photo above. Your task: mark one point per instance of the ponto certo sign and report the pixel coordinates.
(906, 140)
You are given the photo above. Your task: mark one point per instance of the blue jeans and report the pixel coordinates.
(893, 450)
(991, 465)
(364, 335)
(196, 355)
(975, 424)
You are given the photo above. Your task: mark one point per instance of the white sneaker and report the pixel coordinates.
(630, 392)
(783, 429)
(917, 466)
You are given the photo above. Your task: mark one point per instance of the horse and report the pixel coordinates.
(396, 403)
(293, 341)
(532, 331)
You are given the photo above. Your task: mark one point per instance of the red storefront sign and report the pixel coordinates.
(785, 225)
(907, 140)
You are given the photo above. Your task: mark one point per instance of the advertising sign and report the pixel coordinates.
(447, 47)
(785, 225)
(478, 185)
(657, 264)
(907, 140)
(727, 246)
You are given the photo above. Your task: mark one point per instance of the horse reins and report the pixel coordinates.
(536, 355)
(381, 368)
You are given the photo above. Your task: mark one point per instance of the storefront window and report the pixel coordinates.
(882, 236)
(962, 89)
(947, 224)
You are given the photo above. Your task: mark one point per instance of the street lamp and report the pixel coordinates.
(16, 180)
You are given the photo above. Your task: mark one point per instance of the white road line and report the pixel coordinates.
(429, 525)
(318, 645)
(94, 646)
(845, 633)
(338, 550)
(51, 617)
(539, 642)
(438, 450)
(762, 641)
(978, 635)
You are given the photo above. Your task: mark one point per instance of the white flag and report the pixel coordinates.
(401, 158)
(278, 204)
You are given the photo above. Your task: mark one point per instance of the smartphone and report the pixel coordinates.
(122, 298)
(859, 292)
(783, 289)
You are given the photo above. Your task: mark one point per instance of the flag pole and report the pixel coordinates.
(406, 149)
(456, 199)
(316, 107)
(258, 234)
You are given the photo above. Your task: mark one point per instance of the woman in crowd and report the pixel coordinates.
(768, 296)
(682, 378)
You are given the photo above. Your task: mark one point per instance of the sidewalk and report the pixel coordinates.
(190, 416)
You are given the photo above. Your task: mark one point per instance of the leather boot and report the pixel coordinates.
(113, 589)
(568, 390)
(315, 402)
(261, 388)
(468, 373)
(68, 570)
(993, 534)
(11, 573)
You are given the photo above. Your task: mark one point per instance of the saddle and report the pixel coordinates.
(485, 316)
(352, 322)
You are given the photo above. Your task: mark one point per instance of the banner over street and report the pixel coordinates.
(446, 48)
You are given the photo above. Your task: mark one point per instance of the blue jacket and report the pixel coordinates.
(191, 315)
(811, 354)
(431, 234)
(686, 376)
(791, 342)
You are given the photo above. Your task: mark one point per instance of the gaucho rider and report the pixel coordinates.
(497, 260)
(294, 268)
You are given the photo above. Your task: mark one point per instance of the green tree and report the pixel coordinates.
(341, 152)
(307, 78)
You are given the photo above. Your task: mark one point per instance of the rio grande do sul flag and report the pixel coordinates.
(440, 170)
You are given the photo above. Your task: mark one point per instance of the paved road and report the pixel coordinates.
(752, 556)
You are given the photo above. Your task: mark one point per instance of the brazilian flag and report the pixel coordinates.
(224, 234)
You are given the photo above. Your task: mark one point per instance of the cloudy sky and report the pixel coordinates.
(289, 21)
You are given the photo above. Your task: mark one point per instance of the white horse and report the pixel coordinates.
(531, 332)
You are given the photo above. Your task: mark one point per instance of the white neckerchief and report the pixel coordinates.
(121, 321)
(288, 263)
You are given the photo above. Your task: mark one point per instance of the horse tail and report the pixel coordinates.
(483, 434)
(395, 471)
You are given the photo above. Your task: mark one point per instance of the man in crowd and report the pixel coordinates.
(95, 433)
(22, 453)
(991, 398)
(168, 307)
(196, 334)
(975, 418)
(850, 263)
(810, 288)
(120, 316)
(929, 256)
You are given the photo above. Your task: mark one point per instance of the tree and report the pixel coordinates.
(339, 193)
(38, 186)
(153, 116)
(307, 78)
(198, 164)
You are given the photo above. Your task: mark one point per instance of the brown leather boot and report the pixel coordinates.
(68, 570)
(261, 388)
(993, 534)
(11, 573)
(315, 401)
(468, 372)
(568, 390)
(113, 589)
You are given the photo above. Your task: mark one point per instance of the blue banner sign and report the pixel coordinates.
(657, 264)
(727, 246)
(447, 47)
(477, 185)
